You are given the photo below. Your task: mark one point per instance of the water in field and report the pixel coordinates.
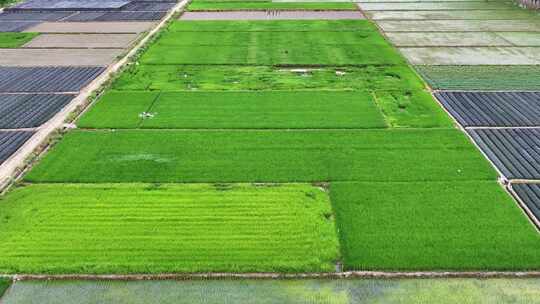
(277, 291)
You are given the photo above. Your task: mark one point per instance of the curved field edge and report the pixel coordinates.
(167, 228)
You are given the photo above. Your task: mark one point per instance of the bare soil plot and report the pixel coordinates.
(460, 25)
(11, 141)
(521, 38)
(173, 228)
(530, 196)
(46, 79)
(427, 6)
(403, 39)
(30, 110)
(343, 291)
(472, 55)
(90, 27)
(82, 41)
(279, 15)
(515, 152)
(449, 15)
(58, 57)
(493, 109)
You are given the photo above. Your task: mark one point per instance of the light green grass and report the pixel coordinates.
(258, 78)
(262, 156)
(416, 109)
(305, 291)
(15, 40)
(474, 77)
(276, 47)
(433, 226)
(4, 285)
(235, 110)
(136, 228)
(118, 110)
(269, 5)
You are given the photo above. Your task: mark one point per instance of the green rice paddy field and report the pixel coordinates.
(255, 5)
(191, 162)
(15, 40)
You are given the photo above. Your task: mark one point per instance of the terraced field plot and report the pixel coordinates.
(271, 45)
(14, 40)
(235, 110)
(152, 228)
(146, 77)
(231, 5)
(193, 109)
(433, 225)
(262, 156)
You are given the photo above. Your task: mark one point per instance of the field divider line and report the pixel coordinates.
(12, 166)
(263, 275)
(524, 181)
(525, 209)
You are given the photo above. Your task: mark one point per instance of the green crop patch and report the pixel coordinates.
(15, 40)
(236, 110)
(151, 228)
(268, 39)
(268, 5)
(477, 77)
(119, 110)
(275, 47)
(259, 78)
(4, 285)
(262, 156)
(416, 109)
(288, 26)
(433, 226)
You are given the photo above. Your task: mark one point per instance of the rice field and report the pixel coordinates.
(271, 45)
(204, 5)
(264, 146)
(4, 285)
(166, 228)
(235, 110)
(15, 40)
(459, 226)
(262, 156)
